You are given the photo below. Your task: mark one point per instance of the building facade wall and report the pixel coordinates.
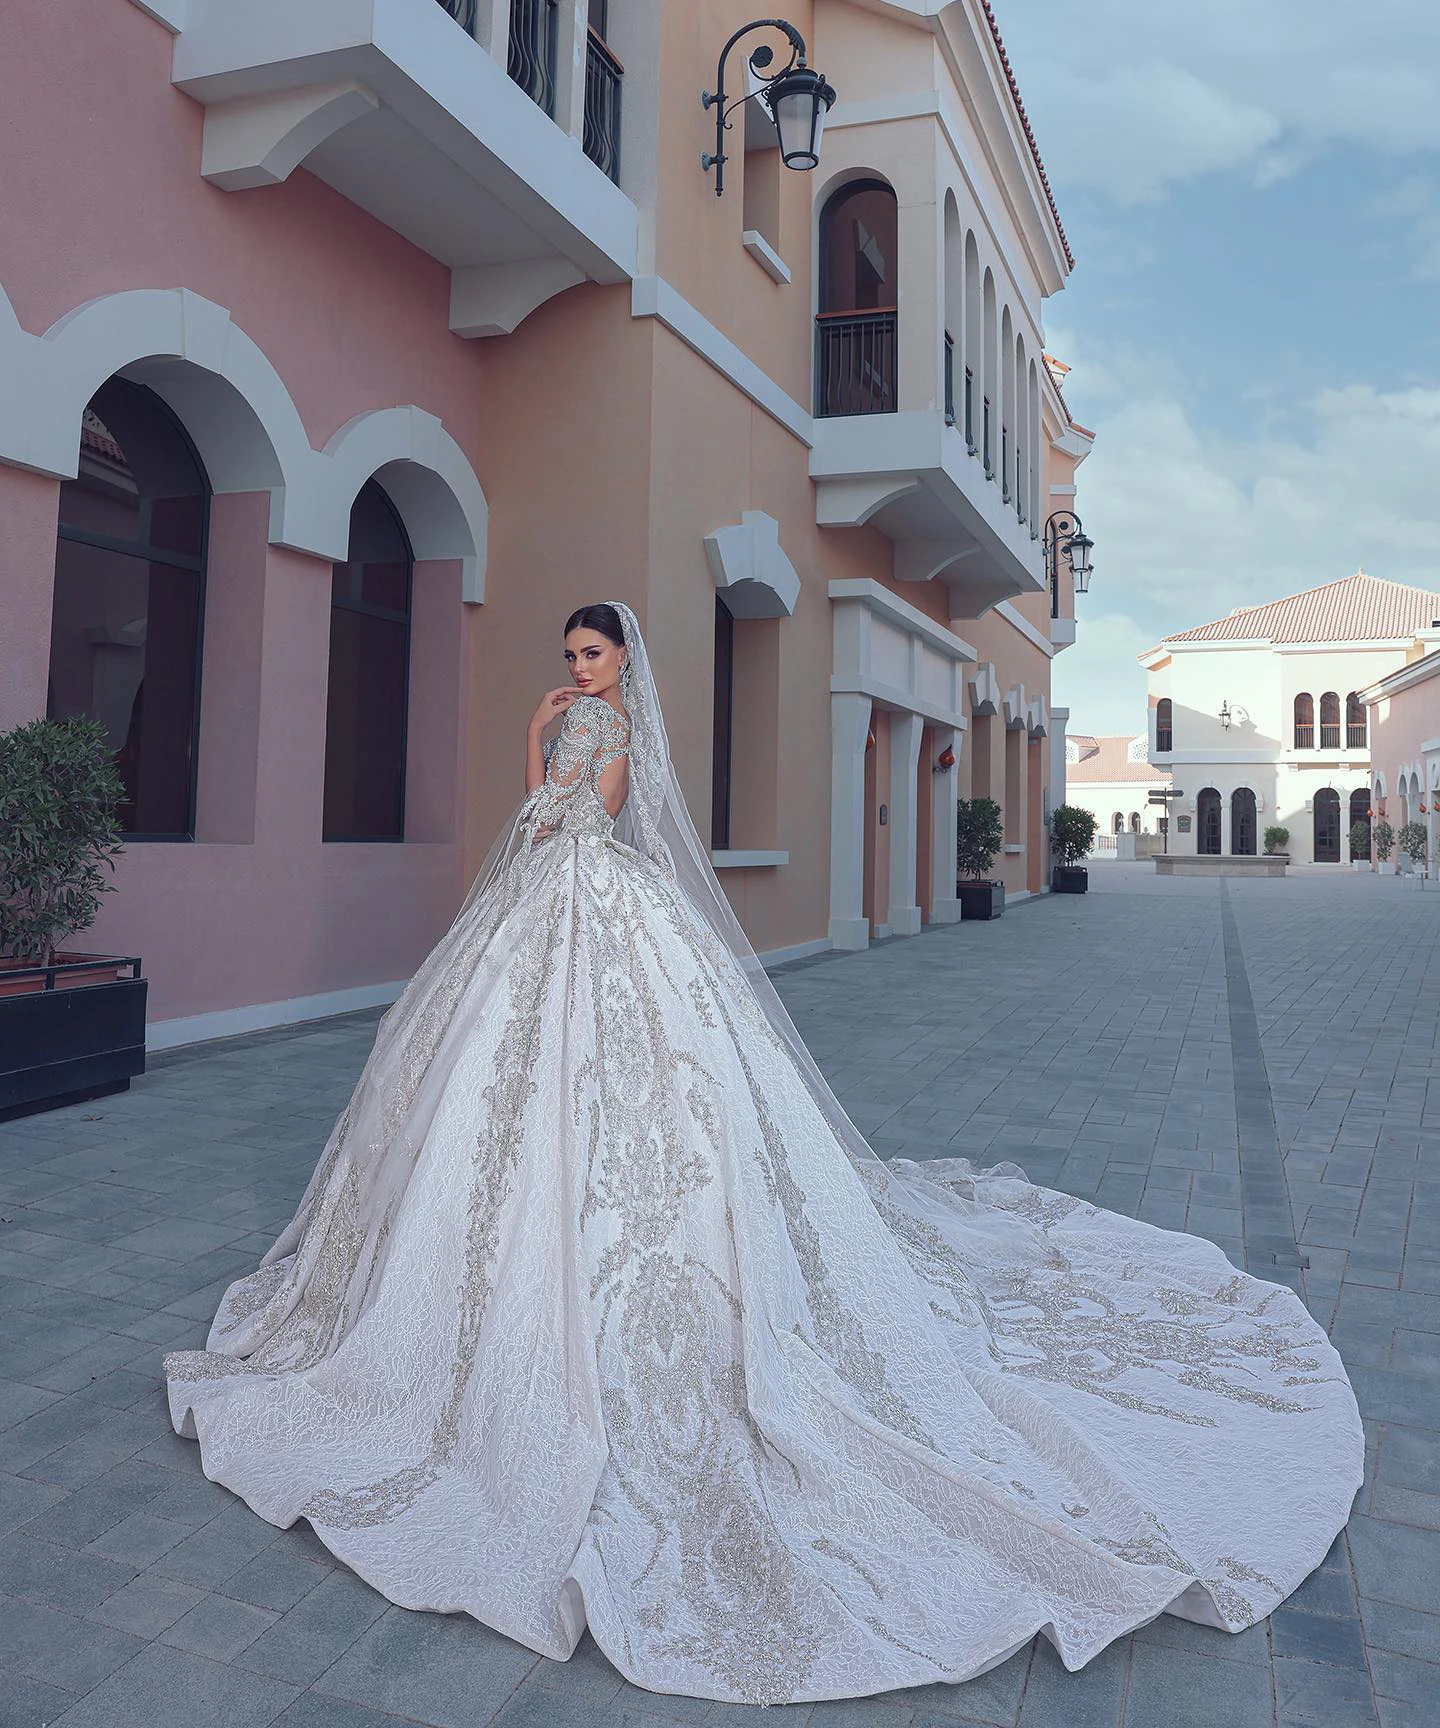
(621, 440)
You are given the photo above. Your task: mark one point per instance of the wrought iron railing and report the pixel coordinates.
(1304, 734)
(1019, 485)
(1004, 464)
(1329, 734)
(1357, 736)
(463, 12)
(531, 61)
(603, 73)
(855, 363)
(949, 379)
(989, 444)
(969, 411)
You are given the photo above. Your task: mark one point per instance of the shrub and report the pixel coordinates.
(1072, 833)
(1384, 840)
(979, 835)
(1276, 838)
(58, 833)
(1360, 840)
(1411, 841)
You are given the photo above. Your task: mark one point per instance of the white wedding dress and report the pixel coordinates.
(598, 1312)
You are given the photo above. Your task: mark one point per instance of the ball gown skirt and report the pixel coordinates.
(588, 1319)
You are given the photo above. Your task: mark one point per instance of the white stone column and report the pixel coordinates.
(1226, 838)
(921, 299)
(904, 914)
(944, 790)
(492, 28)
(572, 41)
(849, 728)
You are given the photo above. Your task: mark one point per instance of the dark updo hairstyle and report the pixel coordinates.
(603, 619)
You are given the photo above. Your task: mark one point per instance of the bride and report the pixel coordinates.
(598, 1311)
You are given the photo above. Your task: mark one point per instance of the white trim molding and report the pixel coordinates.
(653, 297)
(732, 858)
(244, 423)
(750, 567)
(765, 256)
(1018, 622)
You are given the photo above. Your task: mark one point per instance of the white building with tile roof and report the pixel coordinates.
(1259, 715)
(1112, 778)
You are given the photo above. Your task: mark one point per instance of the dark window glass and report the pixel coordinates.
(1164, 725)
(1207, 823)
(1329, 721)
(859, 232)
(600, 17)
(723, 735)
(1327, 826)
(129, 602)
(369, 685)
(1356, 729)
(1304, 722)
(1242, 822)
(1360, 812)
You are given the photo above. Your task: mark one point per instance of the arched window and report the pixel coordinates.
(1304, 721)
(1117, 822)
(1360, 813)
(1357, 731)
(1164, 725)
(130, 601)
(1329, 721)
(1327, 826)
(855, 329)
(1242, 822)
(1134, 821)
(369, 691)
(1207, 823)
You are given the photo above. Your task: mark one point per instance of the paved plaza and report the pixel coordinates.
(1257, 1062)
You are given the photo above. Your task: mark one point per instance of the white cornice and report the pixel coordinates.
(1417, 672)
(1017, 621)
(653, 297)
(910, 618)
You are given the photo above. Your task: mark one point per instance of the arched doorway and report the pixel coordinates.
(1207, 823)
(1327, 826)
(1360, 812)
(1242, 822)
(125, 633)
(855, 369)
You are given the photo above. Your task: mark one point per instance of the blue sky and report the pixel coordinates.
(1252, 192)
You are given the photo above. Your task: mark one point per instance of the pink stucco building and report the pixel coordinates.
(345, 348)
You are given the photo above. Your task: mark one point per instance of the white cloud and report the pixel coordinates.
(1189, 524)
(1130, 97)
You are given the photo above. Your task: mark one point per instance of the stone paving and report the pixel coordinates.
(1257, 1062)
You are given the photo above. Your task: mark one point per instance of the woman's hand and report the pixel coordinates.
(552, 705)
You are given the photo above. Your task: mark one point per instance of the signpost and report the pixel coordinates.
(1164, 796)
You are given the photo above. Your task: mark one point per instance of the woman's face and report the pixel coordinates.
(594, 661)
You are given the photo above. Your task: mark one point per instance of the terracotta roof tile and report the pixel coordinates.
(1360, 608)
(1106, 762)
(1026, 129)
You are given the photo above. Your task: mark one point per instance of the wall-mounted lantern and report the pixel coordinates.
(798, 99)
(1065, 538)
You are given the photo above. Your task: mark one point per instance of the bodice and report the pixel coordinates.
(569, 801)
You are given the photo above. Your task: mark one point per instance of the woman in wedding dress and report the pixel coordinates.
(598, 1311)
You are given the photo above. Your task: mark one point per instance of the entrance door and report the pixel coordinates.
(1327, 827)
(1242, 822)
(1360, 812)
(1207, 823)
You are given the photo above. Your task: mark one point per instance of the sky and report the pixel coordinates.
(1251, 189)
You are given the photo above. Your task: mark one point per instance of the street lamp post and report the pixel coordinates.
(1065, 538)
(797, 96)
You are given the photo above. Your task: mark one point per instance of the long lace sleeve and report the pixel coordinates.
(592, 736)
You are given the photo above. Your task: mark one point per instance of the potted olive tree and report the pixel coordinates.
(979, 835)
(1411, 841)
(1360, 844)
(72, 1026)
(1072, 834)
(1384, 846)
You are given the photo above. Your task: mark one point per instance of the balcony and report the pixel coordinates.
(855, 363)
(474, 128)
(910, 475)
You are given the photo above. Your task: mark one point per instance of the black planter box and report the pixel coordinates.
(1070, 879)
(981, 899)
(60, 1045)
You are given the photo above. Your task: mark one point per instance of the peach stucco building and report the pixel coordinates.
(1264, 717)
(346, 347)
(1404, 712)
